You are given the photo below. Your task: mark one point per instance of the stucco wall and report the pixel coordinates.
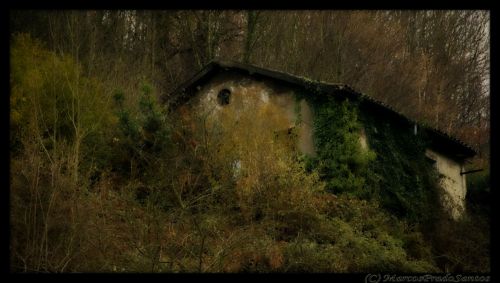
(452, 182)
(253, 95)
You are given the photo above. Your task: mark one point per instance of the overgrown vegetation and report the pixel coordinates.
(105, 179)
(341, 160)
(394, 171)
(470, 248)
(406, 182)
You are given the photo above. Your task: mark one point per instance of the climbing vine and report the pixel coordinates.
(407, 184)
(340, 159)
(393, 169)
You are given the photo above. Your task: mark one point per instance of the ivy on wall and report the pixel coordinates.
(340, 159)
(393, 169)
(406, 181)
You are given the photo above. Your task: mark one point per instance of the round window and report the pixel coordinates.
(223, 96)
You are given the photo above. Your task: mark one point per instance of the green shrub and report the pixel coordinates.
(340, 159)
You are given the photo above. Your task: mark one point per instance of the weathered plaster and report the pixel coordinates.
(363, 139)
(306, 141)
(253, 95)
(452, 182)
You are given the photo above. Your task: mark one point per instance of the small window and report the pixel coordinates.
(223, 96)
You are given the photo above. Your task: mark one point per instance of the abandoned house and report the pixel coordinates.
(231, 85)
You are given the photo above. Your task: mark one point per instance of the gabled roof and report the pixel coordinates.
(447, 142)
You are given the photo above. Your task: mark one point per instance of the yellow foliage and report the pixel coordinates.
(50, 94)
